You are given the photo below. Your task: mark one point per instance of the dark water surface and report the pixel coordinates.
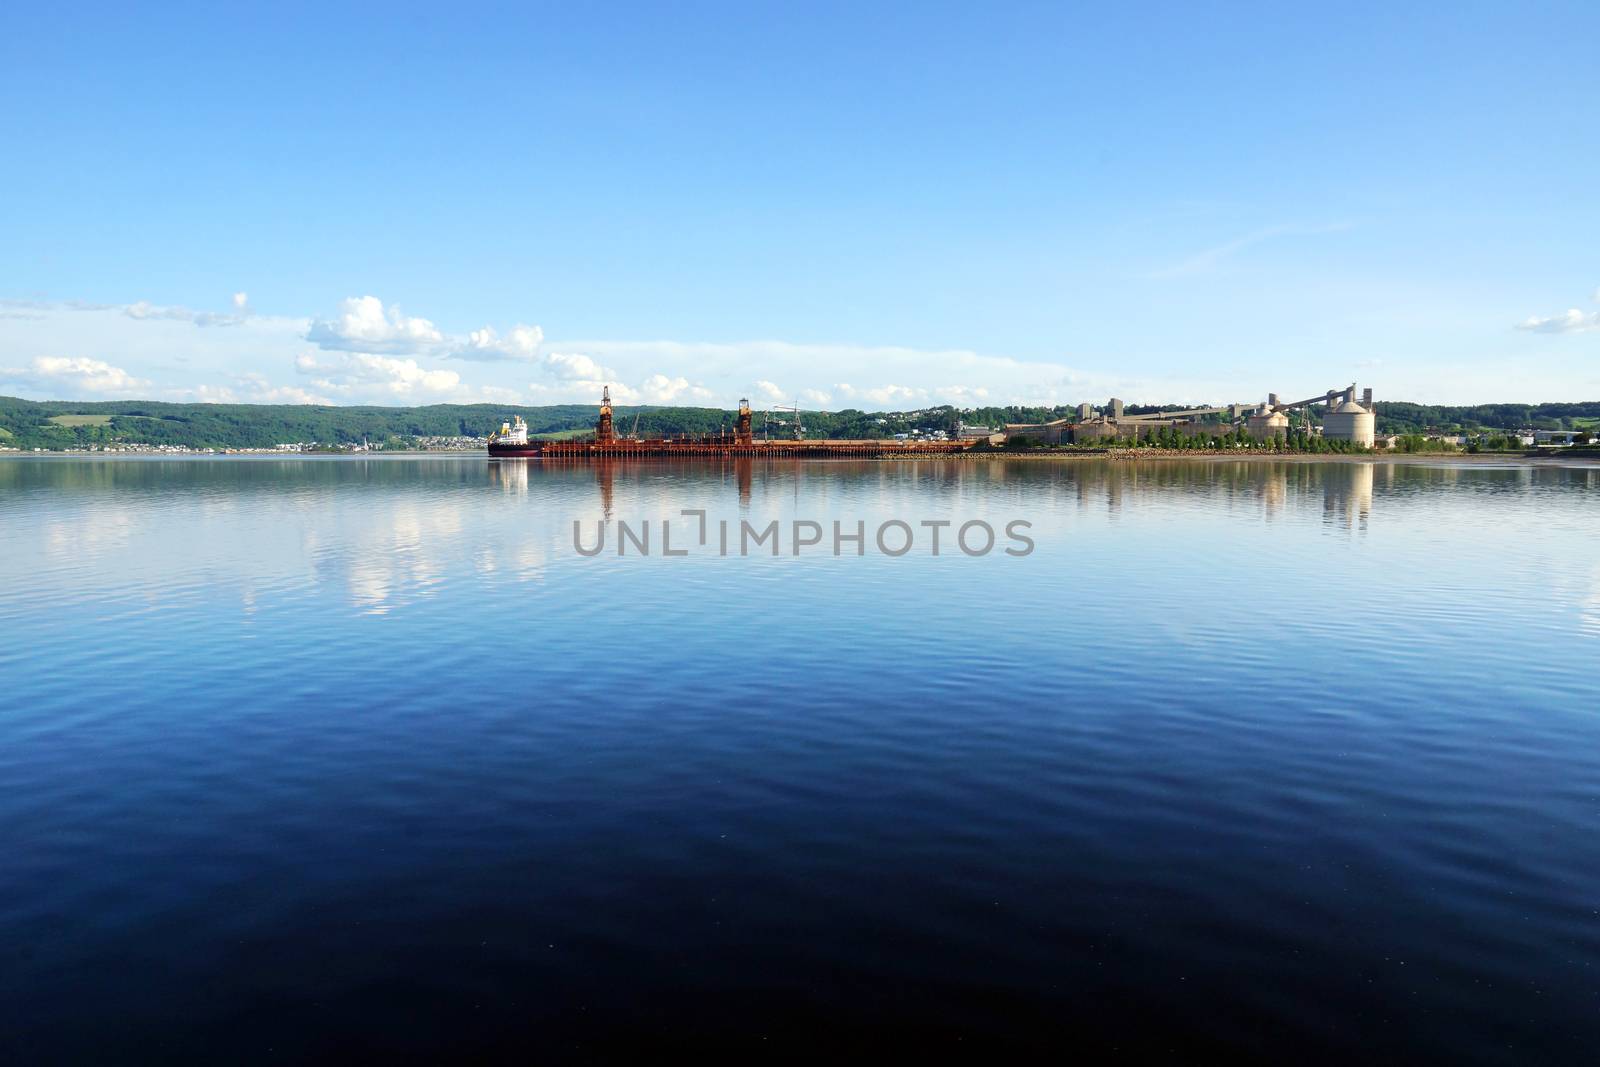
(302, 758)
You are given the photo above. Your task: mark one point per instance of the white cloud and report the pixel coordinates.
(224, 394)
(582, 391)
(288, 394)
(161, 346)
(250, 389)
(67, 305)
(143, 309)
(496, 394)
(575, 367)
(577, 386)
(487, 346)
(962, 395)
(139, 310)
(74, 373)
(885, 395)
(208, 394)
(1574, 321)
(659, 389)
(365, 325)
(891, 396)
(166, 349)
(366, 374)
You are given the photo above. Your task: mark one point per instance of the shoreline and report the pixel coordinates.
(1165, 454)
(1118, 456)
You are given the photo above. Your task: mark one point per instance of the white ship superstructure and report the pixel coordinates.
(514, 432)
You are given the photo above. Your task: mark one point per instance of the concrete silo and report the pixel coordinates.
(1267, 423)
(1350, 422)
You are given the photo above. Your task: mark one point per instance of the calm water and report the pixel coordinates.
(301, 758)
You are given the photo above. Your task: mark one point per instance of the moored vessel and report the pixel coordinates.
(513, 441)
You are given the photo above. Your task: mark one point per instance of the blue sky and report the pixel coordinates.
(848, 205)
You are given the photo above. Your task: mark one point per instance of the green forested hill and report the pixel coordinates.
(1397, 416)
(70, 424)
(57, 424)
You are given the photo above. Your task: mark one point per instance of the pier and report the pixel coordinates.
(513, 441)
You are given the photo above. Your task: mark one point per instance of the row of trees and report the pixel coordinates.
(28, 424)
(1393, 416)
(1401, 417)
(1171, 437)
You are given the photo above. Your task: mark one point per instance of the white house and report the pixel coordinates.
(1555, 437)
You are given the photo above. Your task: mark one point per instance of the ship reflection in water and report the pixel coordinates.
(336, 757)
(390, 554)
(1345, 489)
(513, 474)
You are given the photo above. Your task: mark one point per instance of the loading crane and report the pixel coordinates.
(767, 421)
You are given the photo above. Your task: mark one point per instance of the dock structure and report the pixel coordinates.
(729, 445)
(514, 441)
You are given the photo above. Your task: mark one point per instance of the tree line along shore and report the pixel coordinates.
(61, 425)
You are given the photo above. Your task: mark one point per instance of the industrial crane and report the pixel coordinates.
(767, 422)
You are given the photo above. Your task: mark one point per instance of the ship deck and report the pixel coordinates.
(731, 447)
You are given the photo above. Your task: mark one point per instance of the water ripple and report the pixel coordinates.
(307, 758)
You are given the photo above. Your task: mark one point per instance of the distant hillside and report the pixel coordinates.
(1398, 416)
(58, 424)
(70, 424)
(61, 424)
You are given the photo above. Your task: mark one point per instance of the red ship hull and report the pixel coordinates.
(605, 444)
(531, 450)
(720, 446)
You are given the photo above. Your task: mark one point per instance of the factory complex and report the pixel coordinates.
(1335, 415)
(1342, 418)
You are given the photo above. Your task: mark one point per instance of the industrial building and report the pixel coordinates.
(1351, 422)
(1343, 419)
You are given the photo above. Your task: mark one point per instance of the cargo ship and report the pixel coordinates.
(512, 441)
